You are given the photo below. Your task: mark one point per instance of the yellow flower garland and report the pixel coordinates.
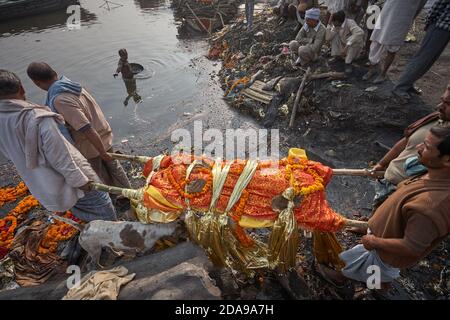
(303, 190)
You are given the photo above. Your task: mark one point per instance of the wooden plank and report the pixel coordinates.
(259, 93)
(255, 96)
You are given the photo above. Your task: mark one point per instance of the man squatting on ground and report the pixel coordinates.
(56, 173)
(294, 10)
(310, 39)
(346, 39)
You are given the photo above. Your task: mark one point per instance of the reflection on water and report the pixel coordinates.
(149, 5)
(56, 19)
(160, 95)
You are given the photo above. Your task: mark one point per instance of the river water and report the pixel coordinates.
(169, 87)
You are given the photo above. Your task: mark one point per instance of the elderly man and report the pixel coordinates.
(346, 39)
(310, 38)
(304, 5)
(389, 34)
(437, 36)
(87, 125)
(401, 161)
(54, 170)
(409, 224)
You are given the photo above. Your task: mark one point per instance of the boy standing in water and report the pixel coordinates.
(124, 66)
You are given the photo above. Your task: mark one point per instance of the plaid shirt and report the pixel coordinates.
(440, 14)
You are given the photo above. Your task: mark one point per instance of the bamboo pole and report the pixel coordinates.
(299, 94)
(349, 223)
(105, 188)
(141, 159)
(359, 173)
(337, 172)
(129, 193)
(332, 75)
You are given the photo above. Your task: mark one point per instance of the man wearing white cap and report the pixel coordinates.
(309, 39)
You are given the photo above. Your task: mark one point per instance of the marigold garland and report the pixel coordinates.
(12, 194)
(290, 167)
(57, 232)
(298, 188)
(181, 186)
(8, 224)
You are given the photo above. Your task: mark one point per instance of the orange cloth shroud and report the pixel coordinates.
(166, 190)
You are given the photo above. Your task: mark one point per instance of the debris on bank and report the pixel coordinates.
(259, 78)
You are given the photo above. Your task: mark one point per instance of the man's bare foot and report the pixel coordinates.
(332, 276)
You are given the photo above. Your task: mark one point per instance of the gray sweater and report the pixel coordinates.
(311, 37)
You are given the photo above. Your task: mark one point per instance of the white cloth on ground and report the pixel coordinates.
(100, 285)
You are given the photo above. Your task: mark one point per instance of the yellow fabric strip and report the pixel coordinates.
(249, 222)
(244, 179)
(157, 196)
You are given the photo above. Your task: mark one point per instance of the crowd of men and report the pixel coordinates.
(346, 30)
(61, 148)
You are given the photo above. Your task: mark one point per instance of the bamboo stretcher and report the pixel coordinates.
(349, 223)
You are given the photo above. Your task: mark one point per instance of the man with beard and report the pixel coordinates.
(401, 161)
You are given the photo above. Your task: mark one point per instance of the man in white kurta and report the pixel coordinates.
(346, 38)
(55, 172)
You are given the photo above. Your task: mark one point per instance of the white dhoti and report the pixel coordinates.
(377, 50)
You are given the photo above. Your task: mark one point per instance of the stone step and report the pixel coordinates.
(180, 272)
